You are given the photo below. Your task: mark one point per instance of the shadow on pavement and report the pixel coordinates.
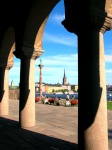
(12, 137)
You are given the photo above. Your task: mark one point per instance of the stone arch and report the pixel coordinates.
(29, 23)
(7, 48)
(6, 62)
(35, 24)
(30, 48)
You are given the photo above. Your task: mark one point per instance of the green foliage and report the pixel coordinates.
(109, 105)
(59, 85)
(61, 90)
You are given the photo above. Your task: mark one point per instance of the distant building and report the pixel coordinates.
(64, 79)
(74, 88)
(37, 87)
(109, 87)
(12, 86)
(49, 88)
(12, 83)
(13, 91)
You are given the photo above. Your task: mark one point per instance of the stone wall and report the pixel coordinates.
(14, 94)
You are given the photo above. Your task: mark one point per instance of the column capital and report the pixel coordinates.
(95, 20)
(37, 53)
(40, 66)
(6, 64)
(5, 67)
(100, 20)
(8, 67)
(31, 53)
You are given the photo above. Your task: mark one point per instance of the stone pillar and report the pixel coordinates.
(4, 91)
(93, 129)
(27, 89)
(92, 110)
(40, 86)
(92, 101)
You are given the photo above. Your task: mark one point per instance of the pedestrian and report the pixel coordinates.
(46, 100)
(60, 98)
(73, 96)
(56, 98)
(67, 100)
(44, 96)
(67, 96)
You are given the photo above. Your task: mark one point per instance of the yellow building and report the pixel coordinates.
(12, 83)
(74, 88)
(49, 88)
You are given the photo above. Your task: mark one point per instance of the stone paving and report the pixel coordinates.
(56, 129)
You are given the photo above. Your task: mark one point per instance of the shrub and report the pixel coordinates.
(51, 101)
(74, 102)
(56, 102)
(37, 99)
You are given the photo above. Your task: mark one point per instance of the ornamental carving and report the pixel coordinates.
(37, 53)
(100, 20)
(38, 45)
(31, 53)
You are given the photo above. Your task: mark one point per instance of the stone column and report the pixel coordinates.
(4, 91)
(93, 129)
(27, 88)
(40, 86)
(92, 110)
(92, 101)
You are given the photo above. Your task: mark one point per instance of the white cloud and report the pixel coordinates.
(109, 77)
(109, 71)
(53, 69)
(59, 60)
(108, 58)
(56, 65)
(14, 73)
(57, 18)
(61, 39)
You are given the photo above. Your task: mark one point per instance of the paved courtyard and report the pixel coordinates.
(56, 129)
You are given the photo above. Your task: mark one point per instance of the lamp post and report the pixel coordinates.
(40, 79)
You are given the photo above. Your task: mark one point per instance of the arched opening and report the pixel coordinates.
(14, 80)
(63, 51)
(108, 57)
(108, 71)
(60, 51)
(6, 63)
(31, 46)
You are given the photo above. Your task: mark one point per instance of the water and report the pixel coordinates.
(63, 96)
(109, 96)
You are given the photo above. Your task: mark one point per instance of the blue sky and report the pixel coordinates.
(60, 52)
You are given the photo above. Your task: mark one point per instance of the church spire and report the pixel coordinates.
(64, 79)
(64, 74)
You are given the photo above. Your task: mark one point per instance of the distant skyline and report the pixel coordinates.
(61, 52)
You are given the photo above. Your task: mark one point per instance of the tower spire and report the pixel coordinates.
(64, 79)
(64, 73)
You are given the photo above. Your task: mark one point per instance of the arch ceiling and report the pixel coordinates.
(22, 26)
